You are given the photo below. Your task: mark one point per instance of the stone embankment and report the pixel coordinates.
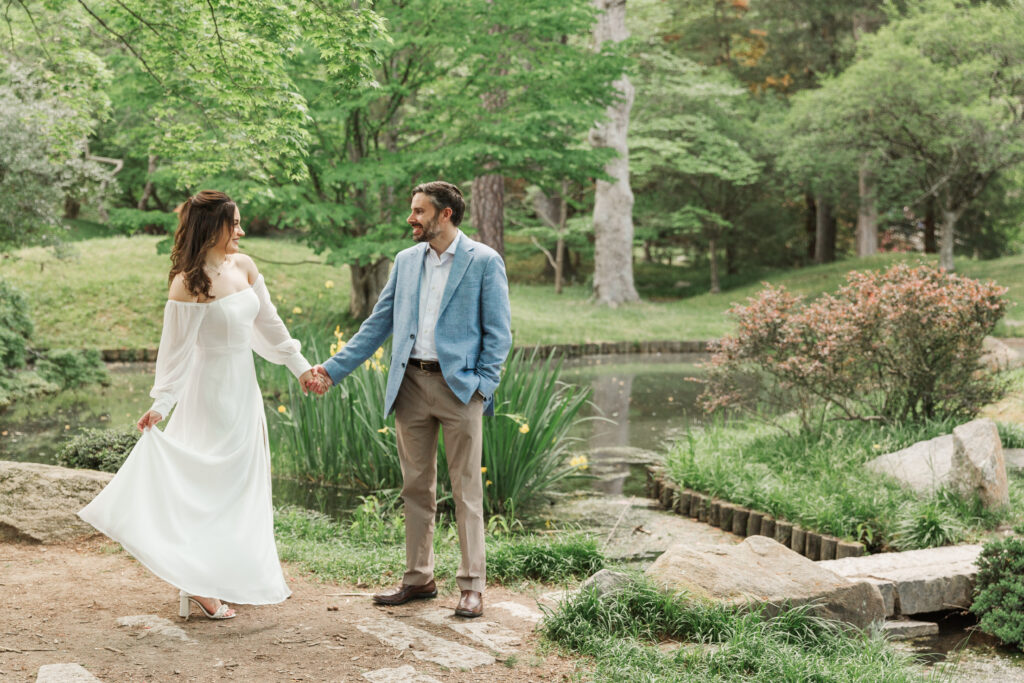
(743, 521)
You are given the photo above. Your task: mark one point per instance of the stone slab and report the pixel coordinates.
(402, 674)
(64, 673)
(763, 571)
(491, 635)
(904, 629)
(518, 610)
(931, 580)
(424, 645)
(151, 625)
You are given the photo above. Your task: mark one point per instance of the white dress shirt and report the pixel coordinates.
(432, 283)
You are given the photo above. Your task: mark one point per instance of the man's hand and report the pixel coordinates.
(148, 420)
(316, 380)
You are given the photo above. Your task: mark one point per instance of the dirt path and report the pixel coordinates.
(61, 604)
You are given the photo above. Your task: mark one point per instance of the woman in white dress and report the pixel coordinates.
(193, 503)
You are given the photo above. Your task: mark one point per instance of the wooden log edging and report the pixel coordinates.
(543, 350)
(743, 521)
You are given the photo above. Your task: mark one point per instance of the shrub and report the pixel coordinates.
(98, 449)
(999, 591)
(903, 344)
(15, 327)
(69, 368)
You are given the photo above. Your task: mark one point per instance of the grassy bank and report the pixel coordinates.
(822, 484)
(642, 634)
(111, 293)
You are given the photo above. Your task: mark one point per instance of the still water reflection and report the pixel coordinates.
(646, 401)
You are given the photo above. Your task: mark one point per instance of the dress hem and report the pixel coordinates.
(138, 557)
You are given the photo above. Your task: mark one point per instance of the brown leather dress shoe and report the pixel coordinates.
(406, 593)
(471, 604)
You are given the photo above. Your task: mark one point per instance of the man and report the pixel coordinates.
(446, 302)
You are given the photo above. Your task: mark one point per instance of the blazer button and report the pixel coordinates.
(412, 336)
(403, 365)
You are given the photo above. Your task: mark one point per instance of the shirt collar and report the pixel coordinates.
(450, 250)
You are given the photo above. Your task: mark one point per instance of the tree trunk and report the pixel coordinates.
(487, 210)
(824, 233)
(713, 256)
(810, 224)
(613, 201)
(867, 212)
(931, 243)
(367, 283)
(563, 217)
(147, 191)
(72, 207)
(949, 220)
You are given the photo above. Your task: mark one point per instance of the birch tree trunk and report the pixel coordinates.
(613, 201)
(948, 230)
(716, 287)
(147, 191)
(867, 212)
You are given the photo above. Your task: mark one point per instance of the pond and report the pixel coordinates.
(646, 402)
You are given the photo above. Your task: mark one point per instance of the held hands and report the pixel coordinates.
(316, 380)
(148, 420)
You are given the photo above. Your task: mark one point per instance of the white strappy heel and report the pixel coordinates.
(185, 602)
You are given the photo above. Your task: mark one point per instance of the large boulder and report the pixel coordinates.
(925, 466)
(998, 356)
(978, 462)
(38, 502)
(761, 570)
(970, 460)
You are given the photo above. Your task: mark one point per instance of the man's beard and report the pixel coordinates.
(428, 230)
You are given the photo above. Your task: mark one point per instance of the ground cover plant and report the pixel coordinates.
(369, 547)
(819, 482)
(999, 591)
(640, 633)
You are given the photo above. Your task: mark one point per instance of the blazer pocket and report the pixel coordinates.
(471, 362)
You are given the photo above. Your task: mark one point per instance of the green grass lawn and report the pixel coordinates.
(110, 294)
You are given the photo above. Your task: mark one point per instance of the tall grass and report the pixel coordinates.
(820, 482)
(343, 437)
(643, 634)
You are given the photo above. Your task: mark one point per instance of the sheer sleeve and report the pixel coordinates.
(177, 350)
(271, 338)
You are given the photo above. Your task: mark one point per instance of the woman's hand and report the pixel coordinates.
(148, 420)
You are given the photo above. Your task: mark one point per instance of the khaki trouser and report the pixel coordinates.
(424, 403)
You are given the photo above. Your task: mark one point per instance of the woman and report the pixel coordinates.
(192, 503)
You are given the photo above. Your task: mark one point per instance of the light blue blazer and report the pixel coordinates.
(473, 334)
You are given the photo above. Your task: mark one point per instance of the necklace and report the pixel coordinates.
(217, 271)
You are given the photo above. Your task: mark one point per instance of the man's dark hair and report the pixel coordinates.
(444, 196)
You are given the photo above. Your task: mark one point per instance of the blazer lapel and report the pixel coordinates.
(463, 257)
(414, 280)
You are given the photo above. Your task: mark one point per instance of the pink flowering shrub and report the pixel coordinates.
(891, 346)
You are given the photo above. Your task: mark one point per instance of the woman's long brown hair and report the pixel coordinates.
(202, 222)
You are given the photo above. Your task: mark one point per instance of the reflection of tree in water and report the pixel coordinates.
(610, 393)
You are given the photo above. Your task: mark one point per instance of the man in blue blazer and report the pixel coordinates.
(446, 304)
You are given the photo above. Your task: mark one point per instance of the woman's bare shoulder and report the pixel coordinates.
(245, 262)
(178, 291)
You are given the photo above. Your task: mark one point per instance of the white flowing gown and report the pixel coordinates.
(192, 503)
